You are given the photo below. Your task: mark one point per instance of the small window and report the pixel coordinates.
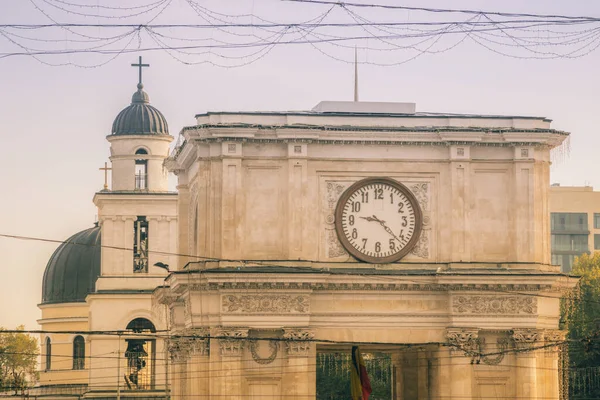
(596, 220)
(48, 354)
(79, 353)
(140, 245)
(596, 242)
(141, 171)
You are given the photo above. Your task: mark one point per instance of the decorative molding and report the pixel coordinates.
(494, 305)
(500, 351)
(192, 216)
(334, 247)
(273, 345)
(179, 349)
(421, 249)
(231, 341)
(553, 339)
(464, 340)
(369, 286)
(334, 190)
(299, 341)
(524, 339)
(187, 343)
(421, 192)
(187, 312)
(265, 304)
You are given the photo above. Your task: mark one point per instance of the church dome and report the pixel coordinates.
(140, 118)
(73, 269)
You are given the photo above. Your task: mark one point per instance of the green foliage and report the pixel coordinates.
(584, 321)
(333, 379)
(581, 316)
(18, 360)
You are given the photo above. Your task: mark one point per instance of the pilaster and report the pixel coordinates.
(552, 370)
(525, 342)
(228, 382)
(300, 372)
(464, 346)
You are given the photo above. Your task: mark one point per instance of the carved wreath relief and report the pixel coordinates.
(332, 193)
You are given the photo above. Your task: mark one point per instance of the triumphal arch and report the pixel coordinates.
(422, 237)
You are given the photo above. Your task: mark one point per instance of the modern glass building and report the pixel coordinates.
(574, 223)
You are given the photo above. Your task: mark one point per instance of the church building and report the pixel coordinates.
(423, 238)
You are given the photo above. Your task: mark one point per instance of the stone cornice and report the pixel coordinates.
(370, 135)
(305, 284)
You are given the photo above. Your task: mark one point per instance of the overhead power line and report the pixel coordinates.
(441, 10)
(235, 40)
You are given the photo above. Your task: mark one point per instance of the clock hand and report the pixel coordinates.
(370, 219)
(382, 223)
(387, 228)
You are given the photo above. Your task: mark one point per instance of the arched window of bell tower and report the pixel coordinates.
(141, 170)
(140, 355)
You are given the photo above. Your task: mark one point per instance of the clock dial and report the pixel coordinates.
(378, 220)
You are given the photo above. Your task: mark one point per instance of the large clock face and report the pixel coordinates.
(378, 220)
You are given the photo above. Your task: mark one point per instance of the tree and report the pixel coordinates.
(582, 318)
(18, 360)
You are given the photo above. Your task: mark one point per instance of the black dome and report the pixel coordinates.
(73, 269)
(140, 118)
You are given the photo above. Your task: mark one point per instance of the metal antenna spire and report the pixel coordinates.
(355, 74)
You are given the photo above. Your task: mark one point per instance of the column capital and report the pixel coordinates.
(232, 340)
(526, 338)
(553, 338)
(464, 339)
(299, 341)
(179, 349)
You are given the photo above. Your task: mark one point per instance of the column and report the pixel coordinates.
(300, 378)
(464, 346)
(199, 366)
(553, 340)
(398, 381)
(229, 376)
(441, 375)
(179, 351)
(524, 341)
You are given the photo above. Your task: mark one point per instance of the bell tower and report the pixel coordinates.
(137, 213)
(139, 144)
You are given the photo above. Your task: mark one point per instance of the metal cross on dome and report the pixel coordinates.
(140, 66)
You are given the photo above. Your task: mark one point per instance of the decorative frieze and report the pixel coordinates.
(256, 303)
(362, 286)
(298, 341)
(527, 339)
(465, 340)
(511, 305)
(232, 340)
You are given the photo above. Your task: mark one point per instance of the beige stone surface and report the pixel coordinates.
(263, 187)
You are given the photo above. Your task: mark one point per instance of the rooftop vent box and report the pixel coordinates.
(365, 107)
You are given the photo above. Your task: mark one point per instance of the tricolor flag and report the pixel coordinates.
(360, 386)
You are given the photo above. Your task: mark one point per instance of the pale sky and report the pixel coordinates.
(54, 120)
